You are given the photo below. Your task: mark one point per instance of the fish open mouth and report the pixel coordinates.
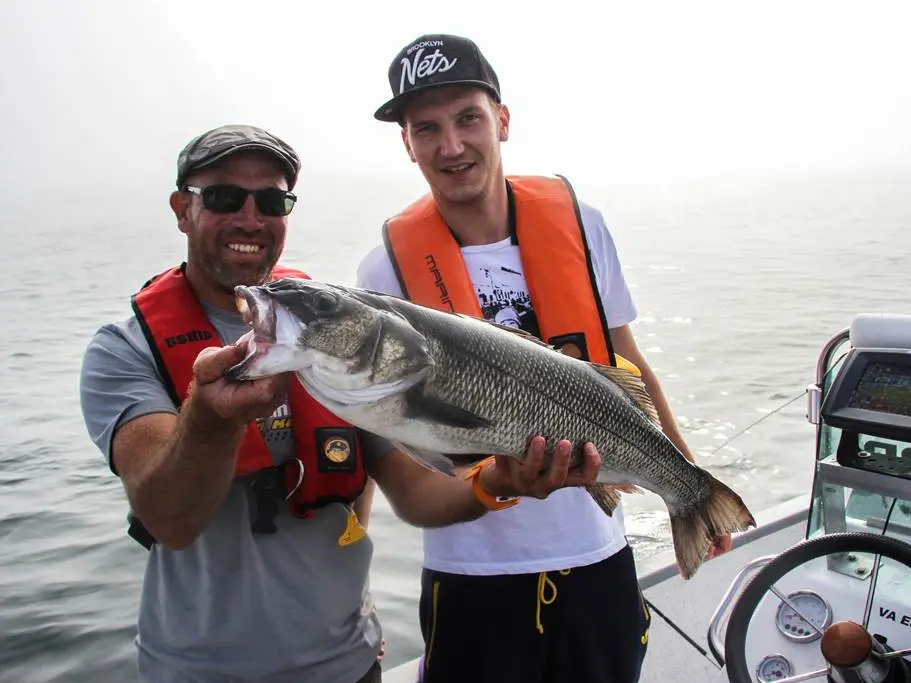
(257, 311)
(259, 314)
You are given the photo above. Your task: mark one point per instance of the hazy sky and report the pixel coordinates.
(109, 91)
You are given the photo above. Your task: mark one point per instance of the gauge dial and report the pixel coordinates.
(813, 607)
(773, 668)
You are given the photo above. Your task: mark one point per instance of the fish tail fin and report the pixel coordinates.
(694, 527)
(607, 496)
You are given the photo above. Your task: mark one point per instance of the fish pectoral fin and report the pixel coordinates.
(436, 462)
(607, 496)
(632, 385)
(423, 407)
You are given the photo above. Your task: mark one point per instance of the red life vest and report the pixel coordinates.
(177, 329)
(555, 259)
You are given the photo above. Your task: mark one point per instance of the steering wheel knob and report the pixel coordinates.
(846, 644)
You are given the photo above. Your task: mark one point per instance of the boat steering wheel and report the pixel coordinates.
(841, 639)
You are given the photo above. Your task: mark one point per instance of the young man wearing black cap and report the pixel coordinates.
(546, 590)
(251, 574)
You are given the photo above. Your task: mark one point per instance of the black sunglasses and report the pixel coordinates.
(270, 201)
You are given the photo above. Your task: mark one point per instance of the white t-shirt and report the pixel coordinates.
(567, 529)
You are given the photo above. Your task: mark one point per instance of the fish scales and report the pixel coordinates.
(525, 389)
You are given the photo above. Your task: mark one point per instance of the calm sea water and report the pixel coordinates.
(738, 284)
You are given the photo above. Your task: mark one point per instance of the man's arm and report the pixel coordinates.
(177, 469)
(421, 497)
(425, 498)
(364, 503)
(625, 344)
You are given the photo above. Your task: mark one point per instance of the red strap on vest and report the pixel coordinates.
(177, 329)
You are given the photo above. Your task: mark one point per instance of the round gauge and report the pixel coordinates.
(773, 668)
(813, 607)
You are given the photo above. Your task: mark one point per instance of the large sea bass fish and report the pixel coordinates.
(451, 389)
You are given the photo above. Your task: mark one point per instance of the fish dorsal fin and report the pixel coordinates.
(620, 360)
(512, 330)
(520, 333)
(632, 385)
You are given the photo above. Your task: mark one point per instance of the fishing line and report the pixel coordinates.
(759, 421)
(776, 410)
(679, 630)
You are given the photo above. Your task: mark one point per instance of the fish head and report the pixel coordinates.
(335, 338)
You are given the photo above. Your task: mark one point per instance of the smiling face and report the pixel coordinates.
(453, 133)
(229, 249)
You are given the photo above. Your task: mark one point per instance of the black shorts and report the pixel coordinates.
(586, 625)
(374, 675)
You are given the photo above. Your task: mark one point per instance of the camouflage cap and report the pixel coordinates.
(218, 143)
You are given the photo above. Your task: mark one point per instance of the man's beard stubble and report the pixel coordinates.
(227, 276)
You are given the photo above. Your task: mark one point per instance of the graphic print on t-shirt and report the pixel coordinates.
(502, 293)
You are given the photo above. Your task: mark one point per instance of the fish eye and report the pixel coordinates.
(324, 302)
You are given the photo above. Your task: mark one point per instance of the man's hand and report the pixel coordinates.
(720, 545)
(234, 401)
(510, 476)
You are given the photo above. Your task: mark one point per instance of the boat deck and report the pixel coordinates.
(690, 604)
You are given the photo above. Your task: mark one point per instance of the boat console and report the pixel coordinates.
(837, 606)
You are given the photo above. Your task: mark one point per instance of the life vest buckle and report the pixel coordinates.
(268, 489)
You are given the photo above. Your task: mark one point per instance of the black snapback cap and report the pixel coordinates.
(432, 61)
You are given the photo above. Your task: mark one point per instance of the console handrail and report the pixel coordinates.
(823, 360)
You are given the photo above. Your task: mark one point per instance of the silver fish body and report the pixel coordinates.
(450, 390)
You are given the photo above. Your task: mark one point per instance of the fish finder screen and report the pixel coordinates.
(883, 388)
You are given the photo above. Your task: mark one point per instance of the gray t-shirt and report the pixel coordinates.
(236, 606)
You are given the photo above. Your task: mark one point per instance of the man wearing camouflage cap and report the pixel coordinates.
(258, 560)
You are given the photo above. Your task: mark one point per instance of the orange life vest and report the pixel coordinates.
(177, 329)
(555, 257)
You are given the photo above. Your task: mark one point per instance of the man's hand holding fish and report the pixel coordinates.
(508, 476)
(230, 401)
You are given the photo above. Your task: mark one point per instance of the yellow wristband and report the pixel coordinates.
(487, 500)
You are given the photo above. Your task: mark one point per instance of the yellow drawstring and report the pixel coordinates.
(433, 622)
(545, 582)
(644, 637)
